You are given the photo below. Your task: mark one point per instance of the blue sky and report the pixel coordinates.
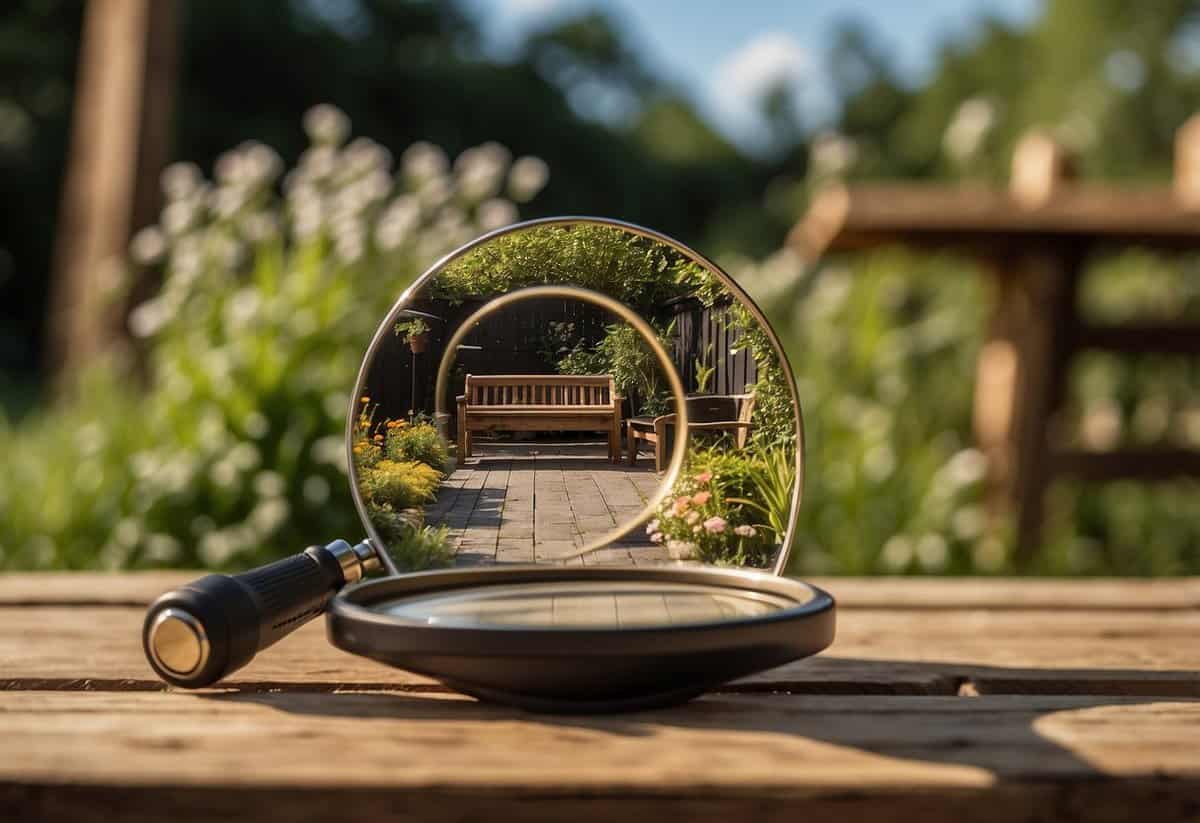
(725, 52)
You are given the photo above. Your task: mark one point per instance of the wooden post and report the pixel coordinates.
(1187, 163)
(119, 145)
(1022, 365)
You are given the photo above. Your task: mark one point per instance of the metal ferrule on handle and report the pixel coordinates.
(201, 633)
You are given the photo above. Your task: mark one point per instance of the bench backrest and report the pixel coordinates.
(595, 390)
(713, 408)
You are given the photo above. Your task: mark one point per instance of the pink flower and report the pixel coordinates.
(681, 505)
(703, 477)
(715, 525)
(700, 498)
(745, 531)
(657, 537)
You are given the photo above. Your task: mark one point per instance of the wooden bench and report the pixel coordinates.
(709, 412)
(540, 402)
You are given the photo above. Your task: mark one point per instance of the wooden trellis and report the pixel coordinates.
(1033, 241)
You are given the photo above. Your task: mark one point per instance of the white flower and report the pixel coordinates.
(832, 154)
(317, 163)
(480, 171)
(652, 527)
(150, 317)
(681, 549)
(316, 489)
(148, 246)
(744, 531)
(179, 180)
(177, 217)
(968, 127)
(495, 213)
(932, 551)
(326, 124)
(422, 161)
(527, 177)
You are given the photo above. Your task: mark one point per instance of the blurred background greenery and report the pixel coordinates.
(208, 430)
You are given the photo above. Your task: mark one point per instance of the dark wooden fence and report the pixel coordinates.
(704, 336)
(513, 342)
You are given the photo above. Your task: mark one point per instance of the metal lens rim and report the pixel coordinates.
(738, 292)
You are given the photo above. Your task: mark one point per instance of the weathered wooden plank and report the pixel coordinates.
(139, 588)
(859, 216)
(876, 652)
(737, 756)
(1145, 464)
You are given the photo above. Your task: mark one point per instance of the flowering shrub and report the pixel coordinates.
(702, 521)
(273, 280)
(420, 442)
(400, 485)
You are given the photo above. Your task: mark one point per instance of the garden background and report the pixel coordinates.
(325, 152)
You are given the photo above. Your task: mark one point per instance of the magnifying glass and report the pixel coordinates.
(576, 448)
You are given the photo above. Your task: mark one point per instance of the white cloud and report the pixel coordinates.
(768, 60)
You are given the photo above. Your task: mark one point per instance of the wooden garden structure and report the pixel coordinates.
(1033, 240)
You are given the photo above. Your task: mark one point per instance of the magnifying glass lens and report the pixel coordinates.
(579, 605)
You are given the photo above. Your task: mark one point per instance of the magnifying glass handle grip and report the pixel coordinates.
(204, 631)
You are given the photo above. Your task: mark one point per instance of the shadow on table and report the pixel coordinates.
(944, 721)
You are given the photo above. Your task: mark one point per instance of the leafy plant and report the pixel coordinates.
(418, 442)
(400, 484)
(406, 330)
(771, 476)
(425, 548)
(231, 450)
(704, 373)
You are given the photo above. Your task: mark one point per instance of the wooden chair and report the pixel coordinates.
(540, 402)
(706, 413)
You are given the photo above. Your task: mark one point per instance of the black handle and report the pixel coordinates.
(204, 631)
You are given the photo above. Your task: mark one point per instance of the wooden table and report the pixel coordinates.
(940, 700)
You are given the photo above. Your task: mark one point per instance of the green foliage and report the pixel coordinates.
(772, 476)
(399, 484)
(406, 330)
(423, 548)
(602, 258)
(420, 442)
(411, 546)
(635, 369)
(231, 451)
(884, 348)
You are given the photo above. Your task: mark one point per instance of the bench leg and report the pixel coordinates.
(631, 436)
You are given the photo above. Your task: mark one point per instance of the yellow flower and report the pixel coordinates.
(365, 399)
(379, 438)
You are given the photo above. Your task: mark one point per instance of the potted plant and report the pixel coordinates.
(416, 332)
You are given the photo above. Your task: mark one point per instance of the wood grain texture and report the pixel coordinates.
(764, 757)
(876, 651)
(940, 700)
(140, 588)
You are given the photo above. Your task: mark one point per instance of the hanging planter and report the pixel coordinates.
(416, 332)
